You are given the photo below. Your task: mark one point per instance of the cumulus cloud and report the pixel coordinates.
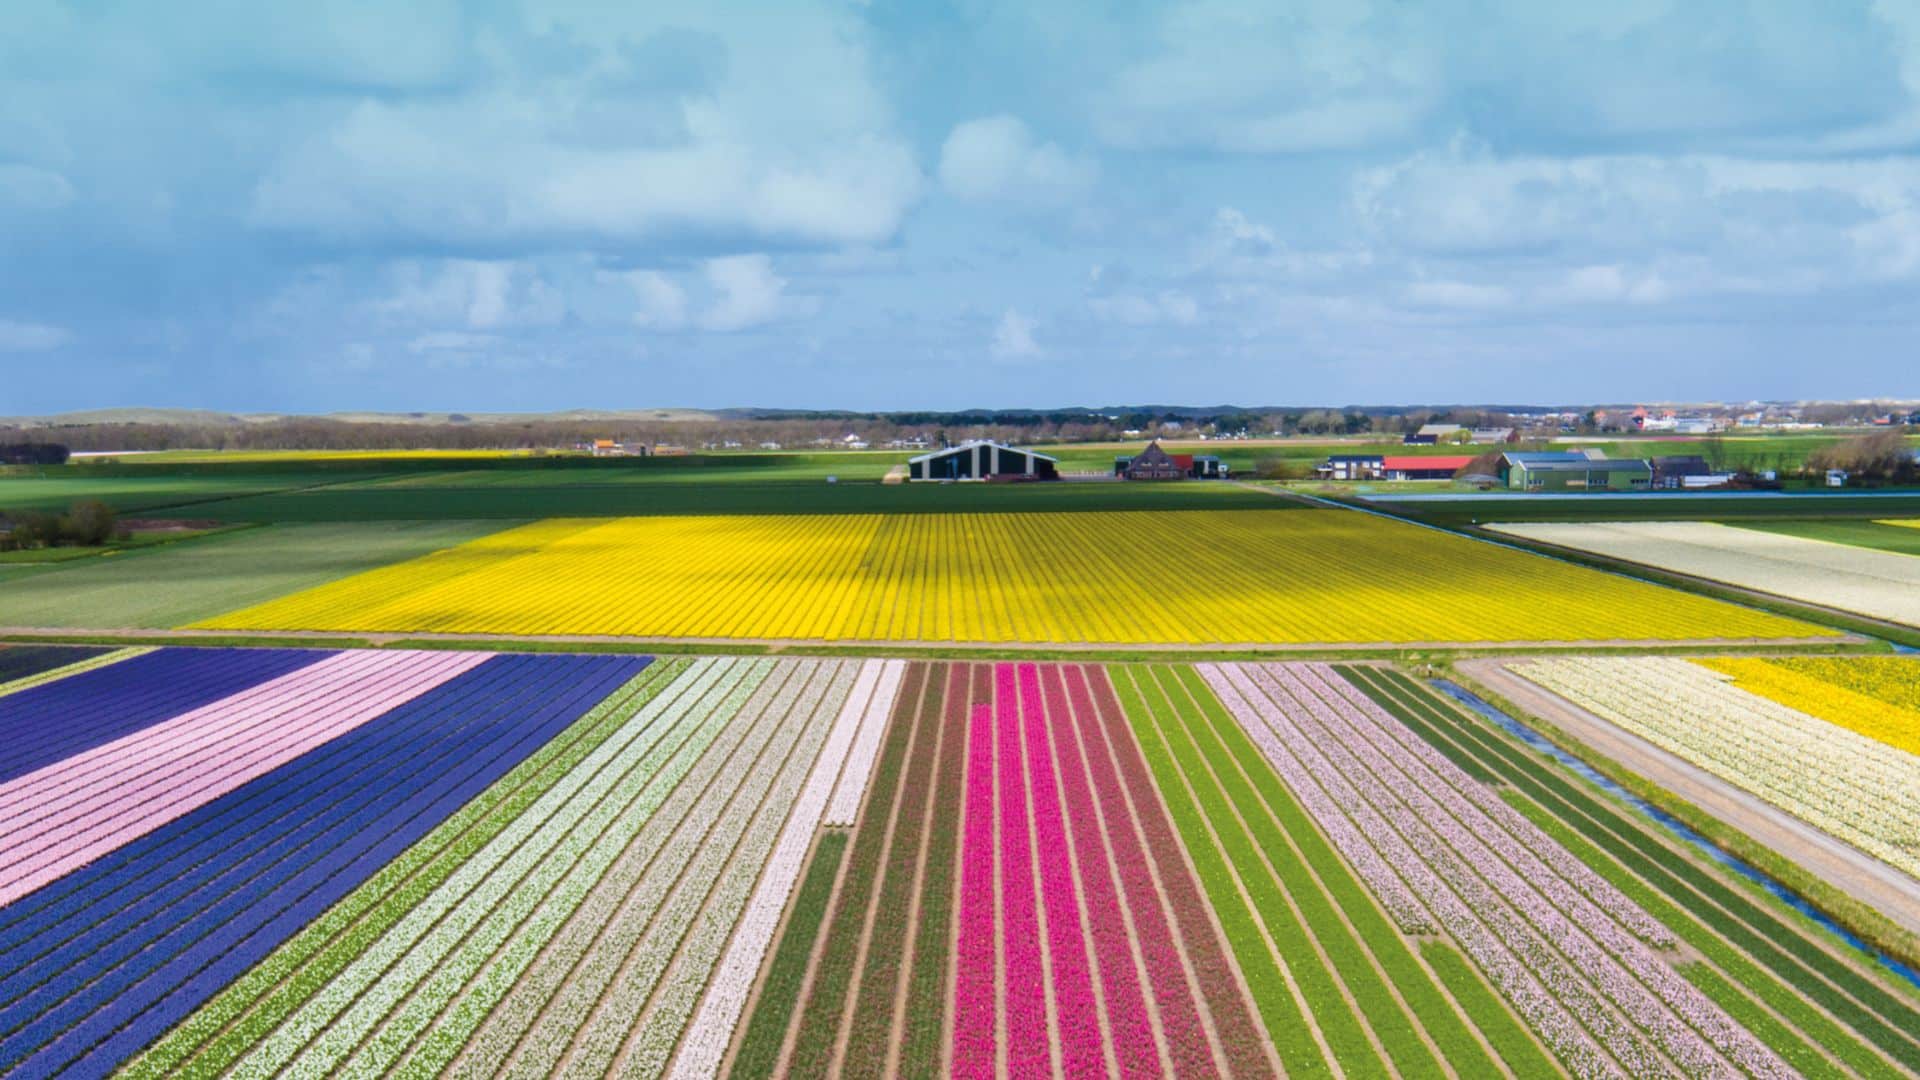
(482, 294)
(1013, 337)
(747, 293)
(997, 159)
(659, 303)
(32, 336)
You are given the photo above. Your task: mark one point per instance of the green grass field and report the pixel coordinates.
(1675, 506)
(173, 584)
(1866, 534)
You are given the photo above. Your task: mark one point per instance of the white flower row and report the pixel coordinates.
(641, 953)
(1858, 789)
(631, 887)
(853, 785)
(712, 1029)
(521, 923)
(510, 852)
(1879, 583)
(656, 1033)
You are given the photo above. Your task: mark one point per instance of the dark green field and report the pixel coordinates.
(1678, 506)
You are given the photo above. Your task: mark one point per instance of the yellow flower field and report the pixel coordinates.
(1214, 577)
(1871, 695)
(1905, 523)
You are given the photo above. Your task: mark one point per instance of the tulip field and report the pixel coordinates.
(1874, 696)
(308, 862)
(1202, 577)
(1851, 785)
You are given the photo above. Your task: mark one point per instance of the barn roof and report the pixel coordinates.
(1426, 461)
(971, 443)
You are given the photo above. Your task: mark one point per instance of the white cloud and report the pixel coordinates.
(660, 304)
(1013, 337)
(659, 124)
(748, 293)
(997, 159)
(481, 294)
(32, 337)
(29, 188)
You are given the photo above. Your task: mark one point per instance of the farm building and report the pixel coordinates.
(1154, 463)
(1674, 471)
(1573, 471)
(982, 460)
(1429, 434)
(1351, 467)
(1423, 466)
(1392, 466)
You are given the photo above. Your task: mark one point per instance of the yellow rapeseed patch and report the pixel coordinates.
(1905, 523)
(1213, 577)
(1870, 695)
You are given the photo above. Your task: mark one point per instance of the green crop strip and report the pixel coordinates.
(1286, 1025)
(1769, 941)
(1321, 904)
(1221, 792)
(833, 977)
(872, 1027)
(766, 1031)
(1504, 1031)
(1782, 1040)
(256, 1002)
(924, 1020)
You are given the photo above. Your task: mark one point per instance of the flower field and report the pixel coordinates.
(1881, 584)
(1875, 696)
(1855, 787)
(1205, 577)
(388, 862)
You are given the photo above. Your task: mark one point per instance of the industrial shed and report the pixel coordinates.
(1423, 466)
(1571, 471)
(982, 460)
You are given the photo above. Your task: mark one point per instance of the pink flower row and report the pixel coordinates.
(1559, 941)
(69, 813)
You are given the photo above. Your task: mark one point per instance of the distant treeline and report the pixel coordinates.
(759, 431)
(33, 453)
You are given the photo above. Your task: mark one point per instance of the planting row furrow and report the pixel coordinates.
(358, 997)
(444, 1013)
(256, 1003)
(873, 722)
(537, 1017)
(1771, 955)
(68, 816)
(870, 1025)
(923, 1009)
(1080, 1038)
(1490, 856)
(1521, 986)
(1689, 1024)
(712, 1027)
(412, 767)
(1195, 982)
(587, 1023)
(651, 1034)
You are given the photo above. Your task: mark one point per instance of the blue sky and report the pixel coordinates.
(535, 205)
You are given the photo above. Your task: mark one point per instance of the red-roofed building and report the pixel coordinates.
(1423, 466)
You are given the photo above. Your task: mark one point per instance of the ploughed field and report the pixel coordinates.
(1199, 578)
(310, 862)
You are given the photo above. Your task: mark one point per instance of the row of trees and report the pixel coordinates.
(33, 453)
(87, 523)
